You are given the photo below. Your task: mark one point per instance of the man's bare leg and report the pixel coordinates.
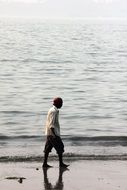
(61, 164)
(45, 165)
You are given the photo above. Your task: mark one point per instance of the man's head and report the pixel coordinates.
(58, 102)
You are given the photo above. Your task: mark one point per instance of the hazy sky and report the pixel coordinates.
(63, 8)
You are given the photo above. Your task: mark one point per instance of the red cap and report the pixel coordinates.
(57, 102)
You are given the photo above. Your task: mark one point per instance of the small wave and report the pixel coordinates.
(15, 112)
(68, 156)
(98, 141)
(39, 61)
(30, 60)
(73, 140)
(9, 60)
(104, 141)
(96, 138)
(4, 137)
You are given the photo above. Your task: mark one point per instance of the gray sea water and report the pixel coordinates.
(84, 62)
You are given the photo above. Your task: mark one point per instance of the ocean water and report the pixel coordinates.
(84, 62)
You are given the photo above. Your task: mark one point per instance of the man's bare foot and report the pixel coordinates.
(46, 166)
(63, 165)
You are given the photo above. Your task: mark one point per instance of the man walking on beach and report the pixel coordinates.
(53, 133)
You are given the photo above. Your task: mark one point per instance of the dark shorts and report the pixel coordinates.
(54, 142)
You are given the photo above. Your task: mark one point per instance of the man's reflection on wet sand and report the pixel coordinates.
(59, 184)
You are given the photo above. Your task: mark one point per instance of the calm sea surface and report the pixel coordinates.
(84, 62)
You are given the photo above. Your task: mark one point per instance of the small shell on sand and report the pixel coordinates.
(15, 178)
(20, 179)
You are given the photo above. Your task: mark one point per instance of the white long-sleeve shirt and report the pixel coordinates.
(52, 122)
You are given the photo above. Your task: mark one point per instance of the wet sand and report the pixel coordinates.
(87, 175)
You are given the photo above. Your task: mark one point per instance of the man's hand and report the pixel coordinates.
(53, 131)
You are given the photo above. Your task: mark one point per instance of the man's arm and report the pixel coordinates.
(53, 131)
(53, 119)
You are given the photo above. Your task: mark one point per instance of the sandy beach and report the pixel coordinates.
(89, 175)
